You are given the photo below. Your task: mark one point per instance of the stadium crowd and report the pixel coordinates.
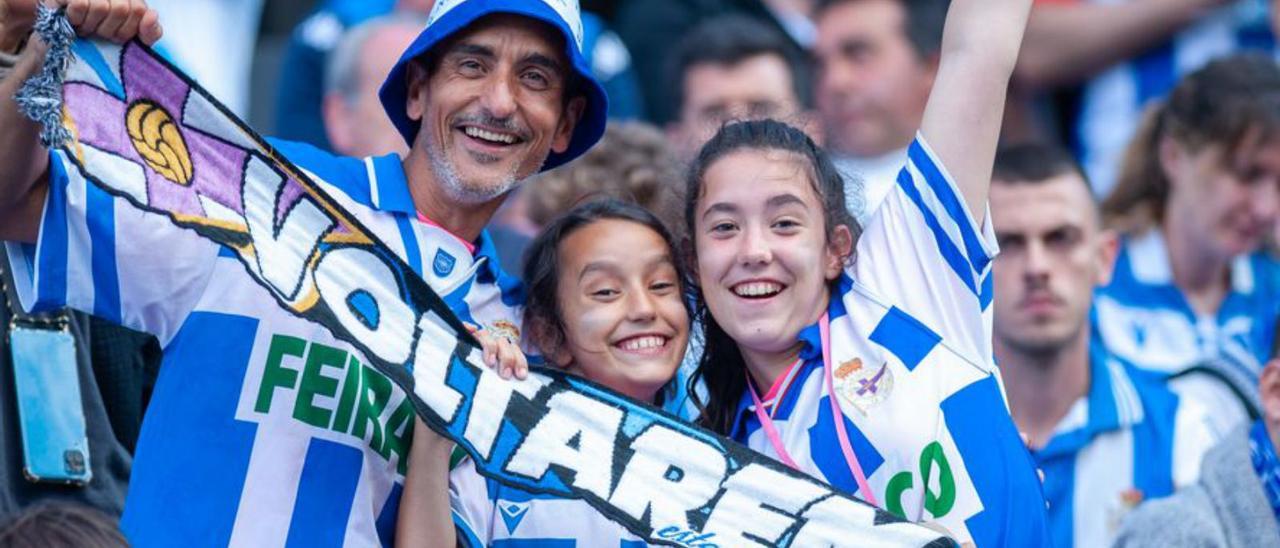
(1116, 262)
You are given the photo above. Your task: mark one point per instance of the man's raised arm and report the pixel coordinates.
(962, 120)
(24, 163)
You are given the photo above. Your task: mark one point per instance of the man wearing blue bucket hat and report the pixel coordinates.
(264, 429)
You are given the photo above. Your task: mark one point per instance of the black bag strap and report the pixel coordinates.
(1248, 403)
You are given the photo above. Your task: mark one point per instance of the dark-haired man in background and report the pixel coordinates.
(877, 60)
(734, 67)
(1106, 435)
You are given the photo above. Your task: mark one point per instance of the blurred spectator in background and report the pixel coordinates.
(796, 17)
(1198, 192)
(300, 95)
(1106, 434)
(734, 67)
(652, 28)
(1127, 53)
(632, 162)
(213, 41)
(62, 525)
(353, 117)
(1236, 503)
(876, 63)
(612, 65)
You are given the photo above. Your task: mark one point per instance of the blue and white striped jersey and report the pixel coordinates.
(1143, 317)
(918, 388)
(1113, 102)
(1130, 439)
(263, 429)
(486, 513)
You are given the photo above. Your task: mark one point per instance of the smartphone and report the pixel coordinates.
(55, 447)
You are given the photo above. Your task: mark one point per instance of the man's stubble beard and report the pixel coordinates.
(466, 192)
(1042, 347)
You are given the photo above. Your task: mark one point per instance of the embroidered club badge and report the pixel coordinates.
(864, 387)
(443, 263)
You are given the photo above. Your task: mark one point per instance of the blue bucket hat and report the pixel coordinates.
(450, 16)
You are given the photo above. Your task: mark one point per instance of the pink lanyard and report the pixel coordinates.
(771, 431)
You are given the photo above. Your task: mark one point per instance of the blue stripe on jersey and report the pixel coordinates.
(987, 293)
(633, 544)
(950, 253)
(1153, 444)
(1104, 410)
(348, 174)
(905, 337)
(1059, 491)
(457, 301)
(1155, 73)
(410, 240)
(326, 490)
(534, 543)
(824, 448)
(1256, 37)
(393, 187)
(51, 293)
(176, 479)
(952, 203)
(387, 518)
(999, 466)
(101, 217)
(494, 272)
(465, 536)
(91, 56)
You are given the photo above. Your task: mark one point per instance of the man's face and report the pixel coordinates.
(493, 107)
(357, 125)
(872, 84)
(756, 87)
(1052, 254)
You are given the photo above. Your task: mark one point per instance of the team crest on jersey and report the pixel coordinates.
(512, 514)
(1125, 502)
(864, 387)
(443, 263)
(504, 328)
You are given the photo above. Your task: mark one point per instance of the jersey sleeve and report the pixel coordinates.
(99, 254)
(473, 509)
(922, 250)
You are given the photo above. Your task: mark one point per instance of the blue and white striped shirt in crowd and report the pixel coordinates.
(1128, 440)
(263, 429)
(1113, 102)
(486, 513)
(1143, 318)
(917, 386)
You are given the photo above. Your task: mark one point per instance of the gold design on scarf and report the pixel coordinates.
(158, 141)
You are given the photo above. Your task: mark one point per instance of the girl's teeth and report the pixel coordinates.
(757, 289)
(643, 343)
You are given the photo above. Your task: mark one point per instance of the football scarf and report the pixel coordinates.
(144, 132)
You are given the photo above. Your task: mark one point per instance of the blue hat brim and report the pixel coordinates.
(590, 127)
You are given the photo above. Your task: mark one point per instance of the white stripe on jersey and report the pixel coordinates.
(1103, 470)
(372, 174)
